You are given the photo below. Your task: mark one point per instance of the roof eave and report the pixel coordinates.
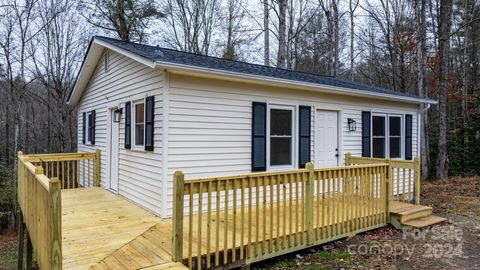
(295, 84)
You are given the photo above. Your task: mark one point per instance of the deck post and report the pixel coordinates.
(177, 219)
(97, 167)
(389, 189)
(309, 202)
(21, 241)
(347, 159)
(417, 176)
(56, 226)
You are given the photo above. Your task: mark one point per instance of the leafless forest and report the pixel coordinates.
(429, 48)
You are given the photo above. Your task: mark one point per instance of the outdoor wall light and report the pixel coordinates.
(116, 115)
(352, 124)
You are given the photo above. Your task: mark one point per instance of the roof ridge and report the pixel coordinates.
(219, 58)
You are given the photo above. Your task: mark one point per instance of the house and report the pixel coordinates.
(216, 163)
(152, 111)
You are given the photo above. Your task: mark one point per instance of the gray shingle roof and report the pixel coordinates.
(156, 53)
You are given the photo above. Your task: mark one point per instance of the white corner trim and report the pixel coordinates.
(165, 131)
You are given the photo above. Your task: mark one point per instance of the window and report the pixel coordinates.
(89, 131)
(106, 60)
(378, 136)
(139, 124)
(281, 136)
(386, 136)
(395, 136)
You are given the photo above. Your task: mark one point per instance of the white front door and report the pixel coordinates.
(113, 155)
(326, 139)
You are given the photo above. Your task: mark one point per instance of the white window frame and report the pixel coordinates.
(136, 146)
(402, 135)
(387, 133)
(293, 146)
(88, 141)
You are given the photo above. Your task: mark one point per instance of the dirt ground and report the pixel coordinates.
(452, 245)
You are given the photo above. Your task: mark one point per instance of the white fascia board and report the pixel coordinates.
(90, 63)
(209, 72)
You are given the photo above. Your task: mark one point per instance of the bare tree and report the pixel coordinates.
(192, 24)
(129, 19)
(266, 34)
(444, 26)
(352, 5)
(421, 49)
(282, 28)
(235, 28)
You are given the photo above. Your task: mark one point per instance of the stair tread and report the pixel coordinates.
(412, 209)
(424, 221)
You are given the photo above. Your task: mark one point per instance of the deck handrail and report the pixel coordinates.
(400, 189)
(40, 202)
(72, 169)
(277, 212)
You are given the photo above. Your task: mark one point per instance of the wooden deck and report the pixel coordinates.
(218, 222)
(96, 223)
(102, 230)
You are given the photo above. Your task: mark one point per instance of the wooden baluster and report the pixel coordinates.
(340, 209)
(290, 209)
(404, 198)
(217, 229)
(209, 222)
(324, 200)
(264, 211)
(278, 212)
(272, 218)
(199, 224)
(285, 202)
(250, 221)
(225, 231)
(68, 174)
(234, 231)
(257, 215)
(190, 226)
(89, 179)
(242, 218)
(296, 210)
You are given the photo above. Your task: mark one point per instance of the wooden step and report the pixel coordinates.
(424, 221)
(415, 213)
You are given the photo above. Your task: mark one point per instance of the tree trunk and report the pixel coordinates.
(420, 14)
(266, 29)
(282, 44)
(443, 54)
(353, 7)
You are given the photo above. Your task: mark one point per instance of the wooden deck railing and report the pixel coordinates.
(40, 180)
(40, 202)
(404, 176)
(247, 218)
(72, 169)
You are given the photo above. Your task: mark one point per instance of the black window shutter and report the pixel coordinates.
(259, 136)
(366, 127)
(304, 135)
(84, 127)
(92, 128)
(149, 104)
(128, 125)
(408, 136)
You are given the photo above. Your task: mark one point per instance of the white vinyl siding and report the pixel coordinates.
(127, 80)
(210, 123)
